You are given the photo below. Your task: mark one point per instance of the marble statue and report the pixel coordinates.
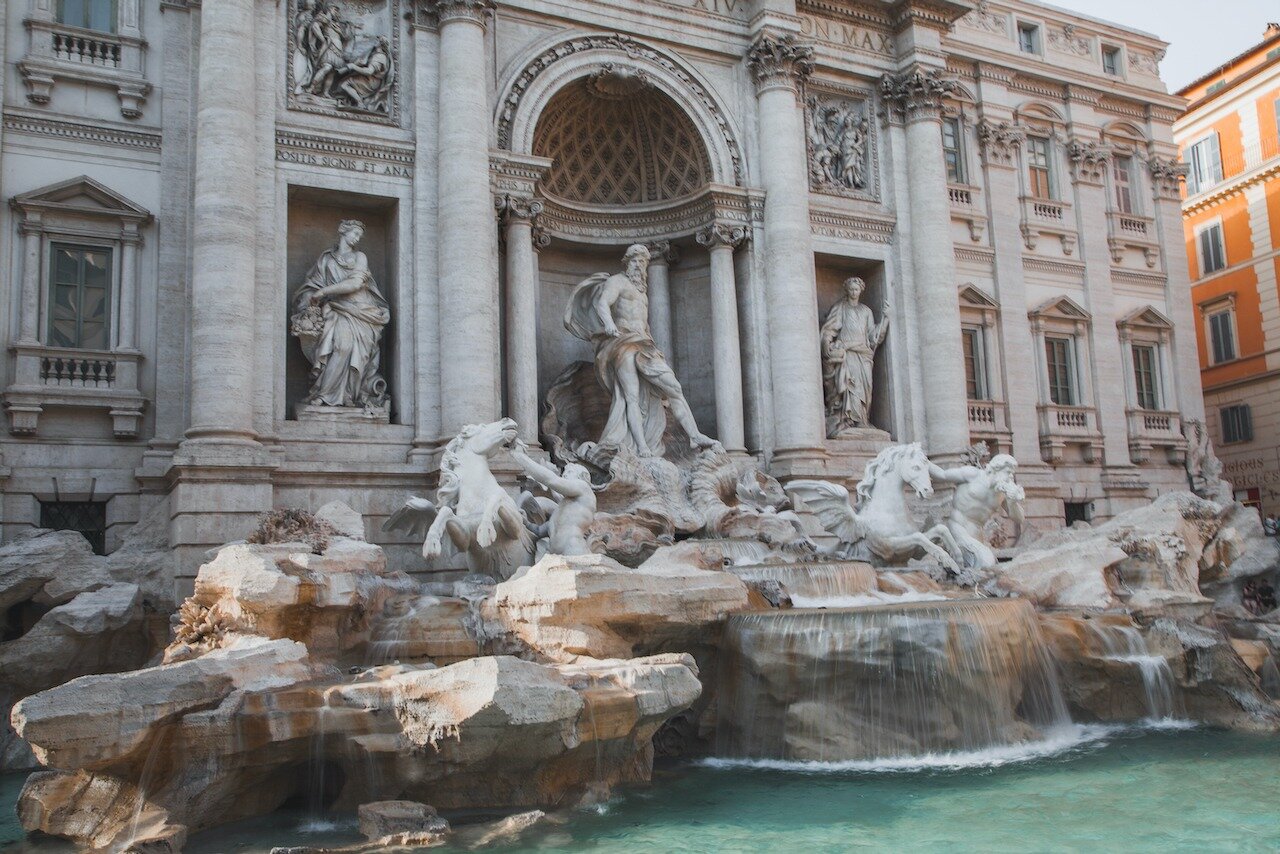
(611, 312)
(1204, 469)
(850, 337)
(472, 513)
(837, 145)
(566, 524)
(980, 493)
(334, 61)
(339, 316)
(881, 528)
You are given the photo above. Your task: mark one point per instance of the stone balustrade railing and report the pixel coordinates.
(77, 369)
(1155, 428)
(1061, 426)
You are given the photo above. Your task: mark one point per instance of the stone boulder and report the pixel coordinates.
(239, 730)
(390, 818)
(327, 601)
(591, 605)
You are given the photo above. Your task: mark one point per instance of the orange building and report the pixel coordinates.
(1230, 140)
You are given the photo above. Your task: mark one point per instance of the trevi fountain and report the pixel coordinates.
(655, 645)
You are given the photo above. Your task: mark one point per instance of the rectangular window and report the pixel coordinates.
(1111, 61)
(1216, 87)
(1205, 160)
(87, 517)
(975, 363)
(1040, 167)
(1122, 173)
(1028, 38)
(1213, 255)
(1145, 377)
(1237, 423)
(79, 297)
(951, 151)
(1222, 336)
(89, 14)
(1060, 356)
(1076, 511)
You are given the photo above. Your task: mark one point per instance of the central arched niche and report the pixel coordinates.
(615, 140)
(625, 157)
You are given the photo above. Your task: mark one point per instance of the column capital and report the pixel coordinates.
(779, 62)
(1089, 160)
(915, 94)
(999, 142)
(447, 11)
(511, 207)
(1166, 177)
(719, 234)
(663, 252)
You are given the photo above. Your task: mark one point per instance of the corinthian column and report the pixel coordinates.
(914, 99)
(518, 216)
(721, 240)
(777, 64)
(468, 276)
(223, 238)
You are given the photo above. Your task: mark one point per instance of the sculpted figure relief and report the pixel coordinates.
(980, 494)
(339, 316)
(335, 61)
(850, 337)
(837, 145)
(612, 313)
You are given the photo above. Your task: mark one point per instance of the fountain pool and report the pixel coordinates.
(1124, 789)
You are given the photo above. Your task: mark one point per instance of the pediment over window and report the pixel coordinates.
(1061, 308)
(83, 196)
(1146, 317)
(971, 296)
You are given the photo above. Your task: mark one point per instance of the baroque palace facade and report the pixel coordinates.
(1001, 175)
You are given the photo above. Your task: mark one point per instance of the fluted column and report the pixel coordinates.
(661, 256)
(721, 240)
(777, 65)
(914, 98)
(223, 228)
(518, 215)
(468, 276)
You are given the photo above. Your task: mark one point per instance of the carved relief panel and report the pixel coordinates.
(344, 57)
(842, 158)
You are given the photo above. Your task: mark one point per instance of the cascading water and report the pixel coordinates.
(885, 682)
(836, 584)
(1126, 645)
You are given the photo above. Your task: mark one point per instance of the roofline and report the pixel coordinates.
(1233, 61)
(1233, 84)
(1103, 21)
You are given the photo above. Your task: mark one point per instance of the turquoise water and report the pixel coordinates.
(1176, 790)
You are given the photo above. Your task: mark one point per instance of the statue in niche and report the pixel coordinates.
(334, 61)
(837, 145)
(611, 312)
(850, 337)
(565, 523)
(339, 316)
(980, 493)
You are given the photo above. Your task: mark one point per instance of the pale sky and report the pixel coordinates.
(1202, 34)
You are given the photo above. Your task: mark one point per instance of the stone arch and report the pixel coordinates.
(555, 63)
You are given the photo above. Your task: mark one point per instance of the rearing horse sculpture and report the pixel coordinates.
(881, 529)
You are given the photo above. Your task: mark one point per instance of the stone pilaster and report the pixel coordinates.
(778, 64)
(518, 217)
(1167, 174)
(721, 240)
(661, 256)
(914, 98)
(468, 252)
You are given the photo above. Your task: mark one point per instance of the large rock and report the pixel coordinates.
(591, 605)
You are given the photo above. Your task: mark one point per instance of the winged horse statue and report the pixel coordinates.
(472, 513)
(881, 527)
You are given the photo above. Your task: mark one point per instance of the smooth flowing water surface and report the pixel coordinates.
(1130, 790)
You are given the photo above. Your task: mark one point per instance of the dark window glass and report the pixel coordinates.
(1222, 337)
(90, 14)
(1074, 511)
(1213, 256)
(1144, 375)
(1237, 423)
(80, 297)
(1061, 372)
(87, 517)
(951, 152)
(975, 370)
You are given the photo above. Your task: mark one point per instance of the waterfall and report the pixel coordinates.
(1126, 645)
(836, 584)
(884, 682)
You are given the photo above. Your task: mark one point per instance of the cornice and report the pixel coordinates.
(846, 225)
(24, 123)
(401, 155)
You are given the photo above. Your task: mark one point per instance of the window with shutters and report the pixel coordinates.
(1237, 423)
(1060, 358)
(1146, 376)
(1028, 37)
(1213, 252)
(1111, 60)
(79, 296)
(1040, 167)
(1222, 335)
(1205, 161)
(1122, 175)
(975, 367)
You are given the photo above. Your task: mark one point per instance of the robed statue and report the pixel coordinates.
(850, 337)
(612, 313)
(339, 316)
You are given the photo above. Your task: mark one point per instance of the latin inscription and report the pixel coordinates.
(720, 7)
(349, 164)
(846, 35)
